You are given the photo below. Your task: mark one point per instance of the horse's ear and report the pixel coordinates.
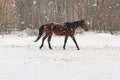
(82, 20)
(51, 23)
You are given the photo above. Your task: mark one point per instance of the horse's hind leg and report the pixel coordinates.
(49, 39)
(43, 41)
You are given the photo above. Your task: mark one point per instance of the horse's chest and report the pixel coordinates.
(70, 31)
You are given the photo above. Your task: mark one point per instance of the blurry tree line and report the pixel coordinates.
(100, 15)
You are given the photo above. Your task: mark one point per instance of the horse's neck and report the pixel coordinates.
(76, 27)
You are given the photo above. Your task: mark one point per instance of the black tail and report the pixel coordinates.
(41, 31)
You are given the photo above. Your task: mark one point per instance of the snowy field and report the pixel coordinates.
(97, 59)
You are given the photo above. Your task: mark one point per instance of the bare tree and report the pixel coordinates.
(102, 15)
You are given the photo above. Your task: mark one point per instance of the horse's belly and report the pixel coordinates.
(59, 33)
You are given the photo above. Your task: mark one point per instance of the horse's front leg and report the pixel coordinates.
(43, 39)
(49, 39)
(73, 38)
(66, 37)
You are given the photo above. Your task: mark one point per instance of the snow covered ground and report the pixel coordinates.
(97, 59)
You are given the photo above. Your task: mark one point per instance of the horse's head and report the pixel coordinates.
(83, 25)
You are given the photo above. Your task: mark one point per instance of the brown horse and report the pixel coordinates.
(67, 29)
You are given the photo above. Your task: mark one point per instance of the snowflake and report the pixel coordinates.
(44, 11)
(30, 13)
(34, 2)
(118, 4)
(47, 19)
(50, 3)
(110, 7)
(94, 5)
(22, 22)
(88, 22)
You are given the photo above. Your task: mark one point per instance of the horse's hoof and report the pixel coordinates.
(64, 48)
(78, 49)
(40, 48)
(50, 48)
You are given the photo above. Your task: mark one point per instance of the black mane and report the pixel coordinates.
(69, 24)
(74, 24)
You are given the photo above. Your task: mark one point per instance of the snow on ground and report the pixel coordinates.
(98, 59)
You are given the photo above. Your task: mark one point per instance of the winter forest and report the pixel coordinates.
(100, 15)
